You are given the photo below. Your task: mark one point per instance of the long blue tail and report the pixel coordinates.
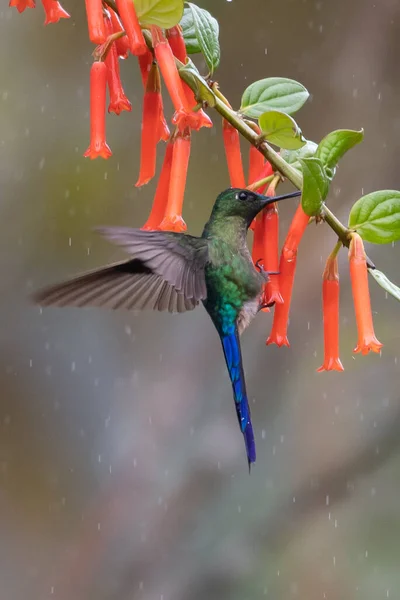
(233, 357)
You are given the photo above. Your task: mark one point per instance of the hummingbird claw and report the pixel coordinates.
(263, 272)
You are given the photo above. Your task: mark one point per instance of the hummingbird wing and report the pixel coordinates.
(165, 274)
(179, 259)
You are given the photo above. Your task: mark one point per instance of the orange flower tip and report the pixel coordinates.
(183, 119)
(141, 182)
(266, 309)
(54, 11)
(332, 364)
(101, 150)
(173, 223)
(21, 5)
(120, 104)
(368, 345)
(279, 340)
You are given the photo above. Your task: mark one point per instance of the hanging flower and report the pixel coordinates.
(54, 11)
(152, 111)
(161, 196)
(122, 43)
(367, 340)
(184, 116)
(330, 308)
(130, 22)
(178, 47)
(233, 155)
(173, 220)
(270, 236)
(96, 25)
(287, 269)
(98, 83)
(21, 5)
(118, 99)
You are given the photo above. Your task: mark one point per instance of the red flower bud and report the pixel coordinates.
(152, 109)
(183, 117)
(54, 11)
(98, 82)
(330, 308)
(287, 269)
(118, 100)
(161, 195)
(233, 155)
(122, 43)
(128, 16)
(96, 26)
(362, 302)
(21, 5)
(172, 220)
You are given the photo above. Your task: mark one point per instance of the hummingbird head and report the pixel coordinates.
(236, 202)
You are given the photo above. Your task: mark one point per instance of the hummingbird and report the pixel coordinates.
(175, 272)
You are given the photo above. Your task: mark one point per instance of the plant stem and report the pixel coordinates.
(260, 183)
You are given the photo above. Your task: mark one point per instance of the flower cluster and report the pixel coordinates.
(119, 31)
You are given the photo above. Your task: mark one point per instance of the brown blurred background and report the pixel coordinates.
(122, 470)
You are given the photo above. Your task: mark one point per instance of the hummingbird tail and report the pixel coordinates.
(233, 357)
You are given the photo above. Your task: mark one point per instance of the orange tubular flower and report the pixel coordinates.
(330, 307)
(130, 22)
(152, 108)
(54, 11)
(98, 83)
(256, 165)
(161, 195)
(233, 155)
(257, 252)
(270, 223)
(118, 100)
(184, 116)
(362, 302)
(21, 5)
(122, 43)
(145, 62)
(96, 26)
(178, 47)
(172, 220)
(287, 268)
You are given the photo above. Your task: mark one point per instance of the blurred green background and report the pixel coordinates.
(122, 469)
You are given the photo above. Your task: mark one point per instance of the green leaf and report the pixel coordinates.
(189, 32)
(274, 93)
(292, 156)
(207, 31)
(385, 283)
(315, 185)
(376, 217)
(281, 130)
(334, 145)
(164, 13)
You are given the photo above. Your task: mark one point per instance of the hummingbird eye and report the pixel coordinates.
(242, 196)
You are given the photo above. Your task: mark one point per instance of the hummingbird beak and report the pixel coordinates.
(271, 199)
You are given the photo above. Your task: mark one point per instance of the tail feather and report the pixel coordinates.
(233, 357)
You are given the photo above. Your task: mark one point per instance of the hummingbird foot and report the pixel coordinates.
(263, 272)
